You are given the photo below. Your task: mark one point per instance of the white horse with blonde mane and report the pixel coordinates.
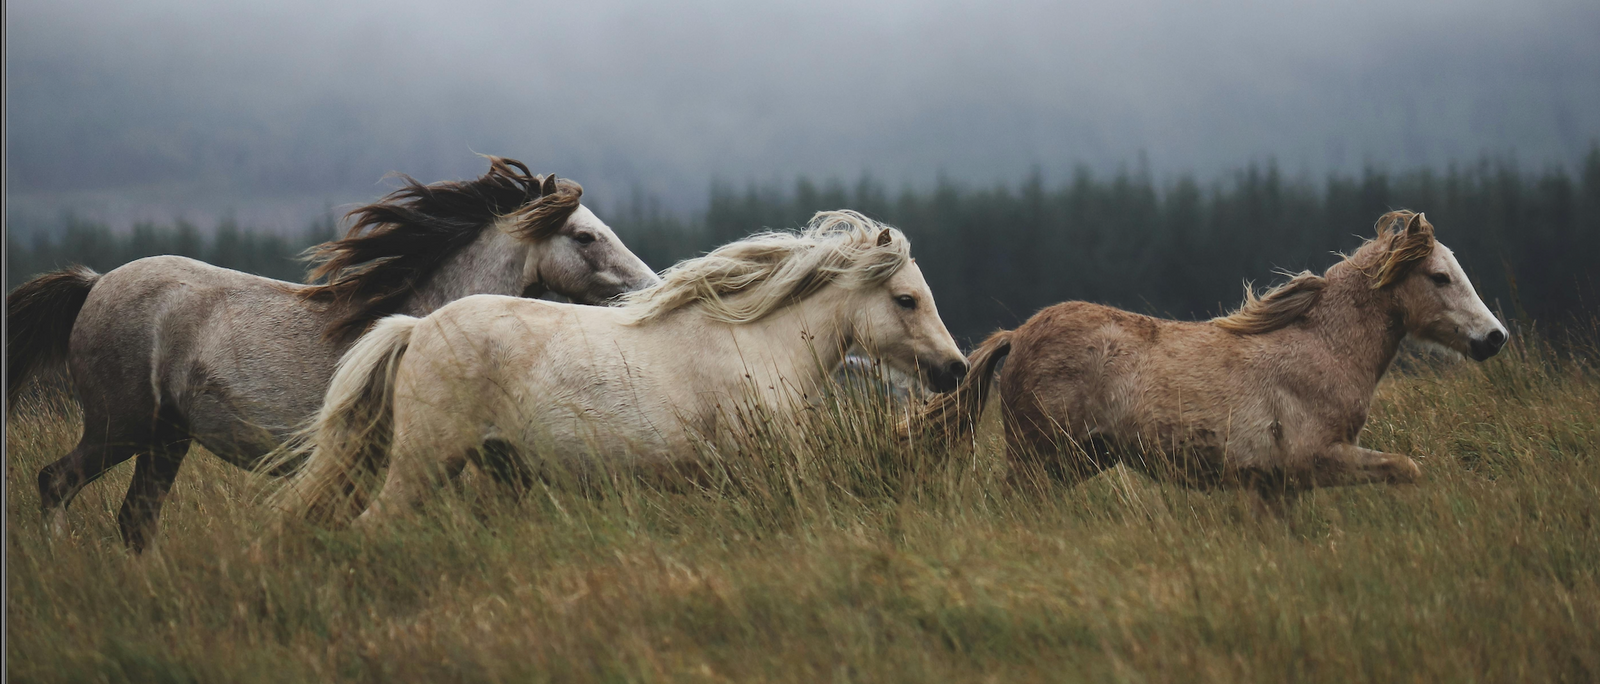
(763, 319)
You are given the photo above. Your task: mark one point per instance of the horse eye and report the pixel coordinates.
(1440, 279)
(906, 301)
(584, 238)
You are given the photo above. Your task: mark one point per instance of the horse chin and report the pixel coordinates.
(938, 380)
(1442, 349)
(1482, 351)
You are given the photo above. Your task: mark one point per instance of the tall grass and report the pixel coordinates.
(821, 550)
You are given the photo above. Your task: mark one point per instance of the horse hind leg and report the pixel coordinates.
(506, 465)
(109, 439)
(415, 471)
(1039, 454)
(153, 475)
(407, 486)
(61, 481)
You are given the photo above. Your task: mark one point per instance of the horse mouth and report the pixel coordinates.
(945, 377)
(1486, 347)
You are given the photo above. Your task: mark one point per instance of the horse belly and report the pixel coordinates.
(234, 437)
(248, 393)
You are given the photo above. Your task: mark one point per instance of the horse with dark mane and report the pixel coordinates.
(1272, 396)
(165, 350)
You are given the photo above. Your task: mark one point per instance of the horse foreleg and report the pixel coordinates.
(1348, 464)
(153, 475)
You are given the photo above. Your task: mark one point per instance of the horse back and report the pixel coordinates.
(1091, 371)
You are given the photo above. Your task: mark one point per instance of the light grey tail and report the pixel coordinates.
(39, 318)
(348, 444)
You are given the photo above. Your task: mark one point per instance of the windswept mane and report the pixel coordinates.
(394, 244)
(775, 269)
(1404, 238)
(1275, 309)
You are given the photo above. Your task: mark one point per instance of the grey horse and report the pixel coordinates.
(165, 350)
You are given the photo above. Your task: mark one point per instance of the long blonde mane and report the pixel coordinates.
(772, 270)
(1404, 238)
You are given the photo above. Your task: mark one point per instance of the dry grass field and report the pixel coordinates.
(839, 557)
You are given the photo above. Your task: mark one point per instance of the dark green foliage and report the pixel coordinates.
(1182, 249)
(994, 256)
(30, 252)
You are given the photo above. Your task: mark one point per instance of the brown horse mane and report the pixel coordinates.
(1404, 239)
(394, 244)
(1277, 308)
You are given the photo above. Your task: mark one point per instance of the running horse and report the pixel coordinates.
(167, 350)
(1272, 396)
(486, 379)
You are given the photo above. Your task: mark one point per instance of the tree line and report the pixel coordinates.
(994, 255)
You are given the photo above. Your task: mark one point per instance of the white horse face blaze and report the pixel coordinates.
(897, 322)
(586, 257)
(1442, 307)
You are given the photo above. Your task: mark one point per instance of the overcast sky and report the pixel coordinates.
(124, 110)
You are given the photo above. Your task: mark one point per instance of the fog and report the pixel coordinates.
(276, 112)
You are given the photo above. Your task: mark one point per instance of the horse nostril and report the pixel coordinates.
(957, 369)
(1496, 338)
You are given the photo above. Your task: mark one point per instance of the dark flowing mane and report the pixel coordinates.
(1404, 239)
(394, 244)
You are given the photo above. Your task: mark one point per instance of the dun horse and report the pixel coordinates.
(639, 383)
(167, 349)
(1272, 396)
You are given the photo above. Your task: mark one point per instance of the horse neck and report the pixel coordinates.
(494, 263)
(794, 347)
(1357, 323)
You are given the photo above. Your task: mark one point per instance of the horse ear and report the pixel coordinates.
(548, 185)
(1418, 224)
(885, 237)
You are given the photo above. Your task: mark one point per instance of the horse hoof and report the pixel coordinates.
(1407, 471)
(56, 524)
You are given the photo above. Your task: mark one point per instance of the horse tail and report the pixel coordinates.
(954, 415)
(39, 318)
(349, 440)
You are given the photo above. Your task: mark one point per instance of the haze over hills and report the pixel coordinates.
(119, 111)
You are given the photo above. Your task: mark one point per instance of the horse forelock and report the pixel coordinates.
(774, 269)
(394, 244)
(544, 217)
(1406, 239)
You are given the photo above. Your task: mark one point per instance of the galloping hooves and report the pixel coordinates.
(1405, 471)
(55, 521)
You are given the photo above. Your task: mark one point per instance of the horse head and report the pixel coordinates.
(1436, 301)
(572, 252)
(896, 321)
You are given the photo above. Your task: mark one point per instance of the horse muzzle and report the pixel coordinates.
(946, 377)
(1488, 345)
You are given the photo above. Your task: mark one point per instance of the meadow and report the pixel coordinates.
(826, 551)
